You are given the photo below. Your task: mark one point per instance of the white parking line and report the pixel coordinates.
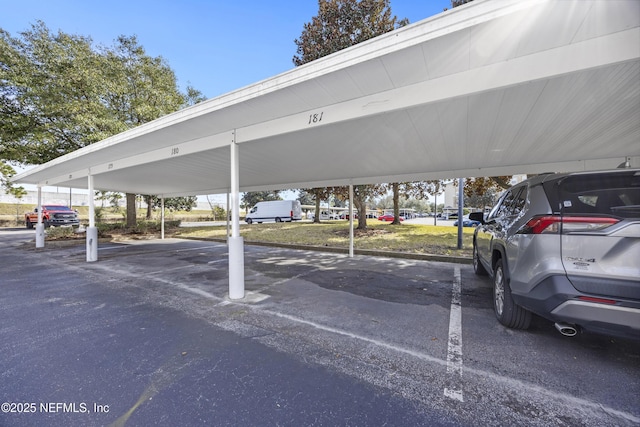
(106, 248)
(454, 350)
(198, 248)
(517, 387)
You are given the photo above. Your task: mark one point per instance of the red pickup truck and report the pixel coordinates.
(53, 215)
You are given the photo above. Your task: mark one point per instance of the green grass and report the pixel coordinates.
(410, 238)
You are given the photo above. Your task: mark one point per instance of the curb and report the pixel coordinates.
(369, 252)
(328, 249)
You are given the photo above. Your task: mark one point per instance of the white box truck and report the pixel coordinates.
(277, 210)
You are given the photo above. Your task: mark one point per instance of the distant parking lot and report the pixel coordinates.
(425, 221)
(421, 331)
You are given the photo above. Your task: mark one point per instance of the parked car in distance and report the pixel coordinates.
(466, 222)
(346, 215)
(388, 218)
(565, 247)
(53, 215)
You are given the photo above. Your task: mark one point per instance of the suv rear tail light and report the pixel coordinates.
(556, 224)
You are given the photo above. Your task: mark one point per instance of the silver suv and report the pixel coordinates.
(565, 247)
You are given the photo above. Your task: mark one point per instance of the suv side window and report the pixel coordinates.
(505, 207)
(498, 207)
(511, 204)
(515, 204)
(520, 201)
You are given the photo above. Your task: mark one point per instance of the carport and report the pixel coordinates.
(490, 88)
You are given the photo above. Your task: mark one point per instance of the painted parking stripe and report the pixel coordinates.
(106, 248)
(454, 349)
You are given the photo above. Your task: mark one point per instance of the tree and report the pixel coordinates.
(305, 198)
(6, 172)
(58, 93)
(484, 184)
(480, 200)
(481, 192)
(172, 203)
(396, 204)
(50, 95)
(343, 23)
(456, 3)
(419, 205)
(102, 196)
(145, 88)
(417, 190)
(114, 199)
(362, 194)
(318, 194)
(338, 25)
(217, 211)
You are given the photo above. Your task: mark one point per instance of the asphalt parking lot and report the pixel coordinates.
(146, 336)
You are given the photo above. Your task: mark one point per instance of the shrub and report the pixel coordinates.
(54, 233)
(142, 227)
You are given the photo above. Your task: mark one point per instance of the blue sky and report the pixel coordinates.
(216, 46)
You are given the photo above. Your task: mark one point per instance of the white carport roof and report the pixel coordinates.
(490, 88)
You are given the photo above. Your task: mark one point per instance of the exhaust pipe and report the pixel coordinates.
(566, 329)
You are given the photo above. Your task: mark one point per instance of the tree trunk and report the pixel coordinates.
(131, 210)
(361, 206)
(149, 206)
(396, 205)
(316, 218)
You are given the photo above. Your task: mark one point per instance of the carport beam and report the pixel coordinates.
(92, 230)
(236, 244)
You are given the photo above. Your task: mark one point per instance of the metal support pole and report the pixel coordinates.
(350, 220)
(228, 218)
(39, 225)
(162, 217)
(236, 243)
(460, 206)
(92, 230)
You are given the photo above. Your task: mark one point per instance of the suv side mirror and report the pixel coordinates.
(477, 216)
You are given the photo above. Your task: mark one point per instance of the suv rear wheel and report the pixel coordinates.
(507, 311)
